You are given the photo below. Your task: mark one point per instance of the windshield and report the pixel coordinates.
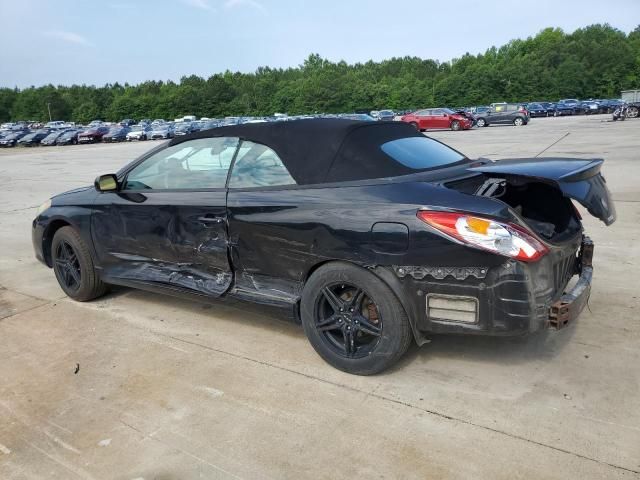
(136, 128)
(420, 153)
(183, 126)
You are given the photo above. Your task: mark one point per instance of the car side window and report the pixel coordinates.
(257, 165)
(194, 164)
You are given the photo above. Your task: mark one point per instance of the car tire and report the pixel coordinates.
(73, 266)
(415, 125)
(372, 330)
(632, 112)
(482, 122)
(518, 122)
(455, 125)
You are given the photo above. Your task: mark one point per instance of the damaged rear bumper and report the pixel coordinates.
(512, 298)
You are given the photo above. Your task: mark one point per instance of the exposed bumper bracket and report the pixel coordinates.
(571, 303)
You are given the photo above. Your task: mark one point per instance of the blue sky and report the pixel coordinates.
(96, 42)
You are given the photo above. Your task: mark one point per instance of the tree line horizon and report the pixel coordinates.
(597, 61)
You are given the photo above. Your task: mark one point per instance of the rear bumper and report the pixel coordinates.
(513, 298)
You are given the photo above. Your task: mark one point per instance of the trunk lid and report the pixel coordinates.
(578, 179)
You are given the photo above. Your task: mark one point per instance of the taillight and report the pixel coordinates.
(502, 238)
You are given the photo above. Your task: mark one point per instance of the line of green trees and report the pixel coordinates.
(593, 62)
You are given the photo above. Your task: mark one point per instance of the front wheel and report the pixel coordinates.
(518, 122)
(633, 112)
(481, 122)
(455, 125)
(353, 319)
(73, 266)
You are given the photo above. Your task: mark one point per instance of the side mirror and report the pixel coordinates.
(106, 183)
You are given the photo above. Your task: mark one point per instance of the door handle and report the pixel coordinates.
(207, 219)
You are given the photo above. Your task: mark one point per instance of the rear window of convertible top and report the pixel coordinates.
(419, 153)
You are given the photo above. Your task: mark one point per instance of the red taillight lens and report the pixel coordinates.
(502, 238)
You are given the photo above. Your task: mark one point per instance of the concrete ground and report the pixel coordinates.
(169, 389)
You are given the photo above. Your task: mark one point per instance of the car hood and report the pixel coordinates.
(75, 190)
(578, 179)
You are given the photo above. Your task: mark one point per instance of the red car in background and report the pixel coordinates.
(437, 118)
(92, 135)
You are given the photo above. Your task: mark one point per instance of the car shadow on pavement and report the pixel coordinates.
(542, 345)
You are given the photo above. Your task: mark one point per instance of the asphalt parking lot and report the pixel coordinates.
(168, 389)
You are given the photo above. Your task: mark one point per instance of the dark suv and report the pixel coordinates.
(504, 114)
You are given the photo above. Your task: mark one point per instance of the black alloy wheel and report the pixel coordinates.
(67, 266)
(348, 320)
(353, 320)
(73, 266)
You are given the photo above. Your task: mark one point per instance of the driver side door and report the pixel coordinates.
(166, 225)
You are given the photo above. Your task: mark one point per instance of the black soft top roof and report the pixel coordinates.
(324, 150)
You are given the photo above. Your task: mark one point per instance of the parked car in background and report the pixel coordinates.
(504, 114)
(161, 131)
(437, 118)
(96, 123)
(358, 116)
(92, 135)
(51, 139)
(466, 113)
(70, 137)
(127, 122)
(139, 132)
(116, 134)
(10, 139)
(589, 107)
(33, 139)
(56, 124)
(537, 110)
(386, 115)
(183, 128)
(568, 106)
(479, 109)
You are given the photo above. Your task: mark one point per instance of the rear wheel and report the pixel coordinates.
(73, 266)
(455, 125)
(353, 319)
(518, 122)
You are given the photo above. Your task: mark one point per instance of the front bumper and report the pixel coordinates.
(512, 298)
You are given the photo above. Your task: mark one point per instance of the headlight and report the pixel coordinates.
(43, 207)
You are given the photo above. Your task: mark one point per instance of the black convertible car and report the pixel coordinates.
(369, 233)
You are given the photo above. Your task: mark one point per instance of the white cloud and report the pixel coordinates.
(69, 37)
(202, 4)
(245, 3)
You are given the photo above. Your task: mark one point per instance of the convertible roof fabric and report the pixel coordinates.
(324, 150)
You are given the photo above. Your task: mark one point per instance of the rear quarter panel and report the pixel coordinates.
(285, 233)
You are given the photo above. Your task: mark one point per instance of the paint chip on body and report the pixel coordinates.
(104, 443)
(4, 449)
